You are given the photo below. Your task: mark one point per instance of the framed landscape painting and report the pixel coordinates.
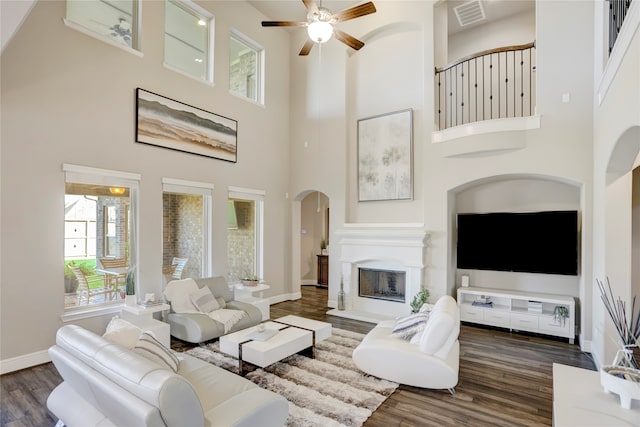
(385, 157)
(171, 124)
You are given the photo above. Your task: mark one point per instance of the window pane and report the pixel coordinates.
(186, 40)
(182, 236)
(241, 240)
(97, 230)
(115, 19)
(244, 75)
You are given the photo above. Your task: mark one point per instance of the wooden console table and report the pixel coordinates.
(323, 271)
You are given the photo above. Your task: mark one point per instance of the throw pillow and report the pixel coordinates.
(122, 332)
(178, 293)
(204, 300)
(152, 349)
(221, 302)
(408, 326)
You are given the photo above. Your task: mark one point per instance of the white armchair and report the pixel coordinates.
(431, 361)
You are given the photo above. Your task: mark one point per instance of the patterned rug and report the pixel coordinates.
(326, 391)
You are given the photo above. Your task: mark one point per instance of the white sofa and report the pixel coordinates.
(196, 327)
(106, 384)
(431, 361)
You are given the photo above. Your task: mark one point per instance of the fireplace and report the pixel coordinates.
(387, 285)
(383, 267)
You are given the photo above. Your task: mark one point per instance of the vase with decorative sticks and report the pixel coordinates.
(622, 376)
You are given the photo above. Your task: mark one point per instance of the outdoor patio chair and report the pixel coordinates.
(84, 286)
(177, 265)
(114, 280)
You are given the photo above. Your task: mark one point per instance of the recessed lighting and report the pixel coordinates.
(202, 22)
(198, 60)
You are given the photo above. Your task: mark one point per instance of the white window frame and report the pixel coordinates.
(136, 48)
(258, 197)
(260, 66)
(204, 189)
(89, 175)
(201, 13)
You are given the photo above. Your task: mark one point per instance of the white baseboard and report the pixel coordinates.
(309, 282)
(25, 361)
(284, 297)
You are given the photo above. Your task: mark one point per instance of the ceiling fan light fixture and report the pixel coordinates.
(319, 31)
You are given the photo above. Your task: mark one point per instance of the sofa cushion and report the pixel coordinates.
(178, 292)
(153, 350)
(221, 302)
(121, 332)
(218, 286)
(408, 326)
(442, 329)
(204, 300)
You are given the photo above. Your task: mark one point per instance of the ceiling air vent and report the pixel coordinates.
(469, 13)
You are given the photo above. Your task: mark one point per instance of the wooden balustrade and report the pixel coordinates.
(496, 83)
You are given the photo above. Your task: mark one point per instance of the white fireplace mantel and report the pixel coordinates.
(398, 247)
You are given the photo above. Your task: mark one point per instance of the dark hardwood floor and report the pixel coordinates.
(505, 379)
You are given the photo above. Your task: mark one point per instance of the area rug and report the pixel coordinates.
(326, 391)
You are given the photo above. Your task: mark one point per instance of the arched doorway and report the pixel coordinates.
(314, 238)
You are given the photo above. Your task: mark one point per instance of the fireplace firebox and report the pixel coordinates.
(386, 285)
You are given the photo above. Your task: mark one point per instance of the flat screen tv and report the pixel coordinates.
(531, 242)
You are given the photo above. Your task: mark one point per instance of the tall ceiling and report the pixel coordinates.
(14, 12)
(294, 10)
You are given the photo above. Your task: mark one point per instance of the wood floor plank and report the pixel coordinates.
(505, 378)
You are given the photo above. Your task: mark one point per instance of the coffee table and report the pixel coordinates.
(294, 335)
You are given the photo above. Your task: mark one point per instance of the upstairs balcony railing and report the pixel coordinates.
(617, 12)
(494, 84)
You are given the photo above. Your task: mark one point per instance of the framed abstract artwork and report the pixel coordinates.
(385, 157)
(167, 123)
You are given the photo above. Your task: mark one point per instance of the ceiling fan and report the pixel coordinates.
(320, 24)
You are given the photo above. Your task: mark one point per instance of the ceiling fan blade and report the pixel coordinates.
(283, 24)
(311, 6)
(306, 48)
(354, 12)
(347, 39)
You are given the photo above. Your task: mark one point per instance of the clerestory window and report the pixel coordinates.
(246, 64)
(188, 39)
(116, 22)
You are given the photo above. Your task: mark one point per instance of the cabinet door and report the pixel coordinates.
(469, 313)
(524, 322)
(323, 270)
(496, 318)
(549, 325)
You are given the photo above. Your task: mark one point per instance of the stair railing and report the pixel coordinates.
(493, 84)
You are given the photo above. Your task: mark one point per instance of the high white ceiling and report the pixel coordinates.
(14, 12)
(294, 10)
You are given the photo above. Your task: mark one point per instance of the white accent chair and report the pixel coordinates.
(430, 363)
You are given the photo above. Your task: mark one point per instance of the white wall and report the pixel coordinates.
(69, 98)
(616, 149)
(510, 31)
(394, 71)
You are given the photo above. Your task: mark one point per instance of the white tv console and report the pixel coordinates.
(510, 309)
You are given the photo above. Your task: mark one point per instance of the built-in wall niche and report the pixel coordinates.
(516, 194)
